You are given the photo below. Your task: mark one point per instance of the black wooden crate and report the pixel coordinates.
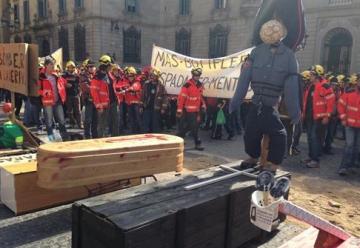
(164, 215)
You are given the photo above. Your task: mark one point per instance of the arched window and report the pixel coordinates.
(337, 50)
(132, 45)
(17, 39)
(64, 42)
(183, 41)
(218, 41)
(27, 38)
(80, 42)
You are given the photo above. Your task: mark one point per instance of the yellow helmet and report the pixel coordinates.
(197, 71)
(40, 63)
(69, 64)
(330, 78)
(354, 78)
(306, 75)
(105, 60)
(130, 71)
(115, 67)
(341, 78)
(85, 62)
(156, 72)
(329, 74)
(318, 69)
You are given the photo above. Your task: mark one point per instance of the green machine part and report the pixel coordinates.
(11, 136)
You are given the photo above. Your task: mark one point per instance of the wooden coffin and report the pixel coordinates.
(20, 192)
(78, 163)
(167, 216)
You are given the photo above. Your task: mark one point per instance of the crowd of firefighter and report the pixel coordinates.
(117, 101)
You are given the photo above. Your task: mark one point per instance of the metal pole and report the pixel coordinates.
(234, 170)
(218, 179)
(12, 116)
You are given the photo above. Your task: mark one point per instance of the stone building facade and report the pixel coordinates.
(333, 27)
(127, 29)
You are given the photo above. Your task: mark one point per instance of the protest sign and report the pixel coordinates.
(14, 67)
(220, 75)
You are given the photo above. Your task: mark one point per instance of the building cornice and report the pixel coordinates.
(124, 21)
(349, 7)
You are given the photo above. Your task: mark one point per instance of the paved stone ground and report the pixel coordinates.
(285, 232)
(47, 228)
(52, 227)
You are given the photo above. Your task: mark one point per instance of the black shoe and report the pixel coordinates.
(295, 151)
(328, 152)
(273, 172)
(231, 136)
(246, 165)
(199, 148)
(343, 172)
(313, 164)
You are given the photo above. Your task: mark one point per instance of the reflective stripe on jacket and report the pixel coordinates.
(190, 97)
(47, 93)
(349, 108)
(323, 100)
(99, 91)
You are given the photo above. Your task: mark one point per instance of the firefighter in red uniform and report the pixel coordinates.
(334, 121)
(349, 113)
(120, 85)
(133, 99)
(99, 89)
(72, 94)
(90, 122)
(190, 103)
(53, 96)
(120, 88)
(145, 75)
(319, 101)
(115, 76)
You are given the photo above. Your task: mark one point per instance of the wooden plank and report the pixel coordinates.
(113, 200)
(205, 224)
(240, 229)
(305, 239)
(199, 218)
(100, 234)
(76, 218)
(78, 171)
(152, 194)
(20, 192)
(160, 233)
(79, 163)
